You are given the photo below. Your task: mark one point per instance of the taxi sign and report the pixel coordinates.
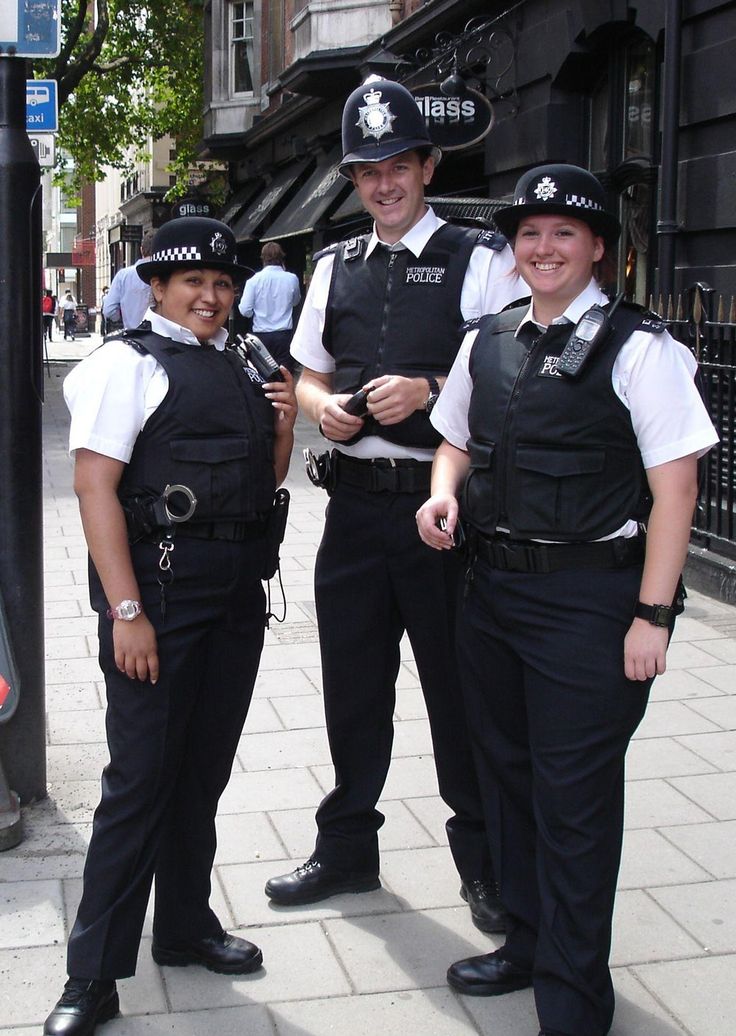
(42, 114)
(30, 28)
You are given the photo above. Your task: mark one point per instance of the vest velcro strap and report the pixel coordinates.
(509, 555)
(384, 474)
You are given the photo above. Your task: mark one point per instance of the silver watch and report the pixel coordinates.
(126, 610)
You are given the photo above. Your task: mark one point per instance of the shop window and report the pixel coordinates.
(622, 136)
(241, 47)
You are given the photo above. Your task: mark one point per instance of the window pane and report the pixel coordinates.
(599, 104)
(241, 50)
(639, 115)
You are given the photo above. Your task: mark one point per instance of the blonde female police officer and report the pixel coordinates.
(181, 619)
(571, 606)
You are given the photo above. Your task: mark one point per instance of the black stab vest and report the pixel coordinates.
(391, 313)
(550, 457)
(212, 432)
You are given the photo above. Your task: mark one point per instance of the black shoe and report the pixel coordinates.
(225, 954)
(487, 975)
(314, 881)
(486, 908)
(84, 1004)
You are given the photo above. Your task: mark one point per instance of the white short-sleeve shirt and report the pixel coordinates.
(491, 282)
(653, 376)
(112, 393)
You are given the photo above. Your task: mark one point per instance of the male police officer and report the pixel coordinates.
(384, 312)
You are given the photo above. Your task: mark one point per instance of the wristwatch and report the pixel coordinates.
(434, 394)
(656, 614)
(126, 611)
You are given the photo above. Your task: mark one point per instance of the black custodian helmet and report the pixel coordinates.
(381, 119)
(192, 241)
(560, 190)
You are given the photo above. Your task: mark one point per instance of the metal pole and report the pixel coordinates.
(22, 739)
(667, 226)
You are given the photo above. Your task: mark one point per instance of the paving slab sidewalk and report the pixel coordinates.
(358, 964)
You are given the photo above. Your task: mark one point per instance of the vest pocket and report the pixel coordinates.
(478, 502)
(217, 472)
(555, 491)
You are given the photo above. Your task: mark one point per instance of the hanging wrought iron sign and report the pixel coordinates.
(454, 123)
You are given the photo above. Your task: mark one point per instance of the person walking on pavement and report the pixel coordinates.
(48, 311)
(269, 298)
(129, 296)
(573, 427)
(69, 315)
(176, 555)
(384, 313)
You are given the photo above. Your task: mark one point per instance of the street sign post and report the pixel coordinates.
(30, 28)
(42, 110)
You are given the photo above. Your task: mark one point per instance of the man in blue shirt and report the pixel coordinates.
(269, 297)
(129, 297)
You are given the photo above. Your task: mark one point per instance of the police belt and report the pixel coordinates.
(384, 474)
(233, 531)
(510, 555)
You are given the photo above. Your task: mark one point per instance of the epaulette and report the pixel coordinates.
(651, 322)
(129, 335)
(491, 239)
(471, 325)
(525, 300)
(328, 250)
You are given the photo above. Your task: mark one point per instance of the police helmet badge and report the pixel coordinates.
(546, 189)
(375, 118)
(218, 244)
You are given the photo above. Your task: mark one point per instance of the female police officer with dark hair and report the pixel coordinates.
(564, 455)
(181, 617)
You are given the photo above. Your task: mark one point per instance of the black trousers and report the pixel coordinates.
(171, 751)
(375, 579)
(552, 714)
(277, 343)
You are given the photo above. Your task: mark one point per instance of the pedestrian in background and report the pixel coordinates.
(129, 297)
(181, 610)
(48, 311)
(269, 298)
(384, 314)
(69, 315)
(572, 428)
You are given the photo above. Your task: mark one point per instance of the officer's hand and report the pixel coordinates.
(136, 651)
(439, 506)
(394, 397)
(283, 400)
(645, 648)
(335, 423)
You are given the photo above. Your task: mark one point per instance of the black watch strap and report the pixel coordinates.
(434, 391)
(656, 614)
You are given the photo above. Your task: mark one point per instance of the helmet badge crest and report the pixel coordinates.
(218, 244)
(546, 189)
(375, 118)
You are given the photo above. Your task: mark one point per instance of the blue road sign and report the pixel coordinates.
(42, 115)
(30, 28)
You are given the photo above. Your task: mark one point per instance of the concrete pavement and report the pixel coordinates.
(359, 964)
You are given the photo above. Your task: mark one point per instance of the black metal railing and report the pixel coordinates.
(706, 323)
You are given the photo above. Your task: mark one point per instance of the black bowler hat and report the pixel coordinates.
(381, 119)
(192, 241)
(560, 190)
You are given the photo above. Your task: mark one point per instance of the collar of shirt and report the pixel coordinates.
(590, 296)
(168, 329)
(414, 239)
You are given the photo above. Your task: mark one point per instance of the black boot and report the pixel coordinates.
(84, 1004)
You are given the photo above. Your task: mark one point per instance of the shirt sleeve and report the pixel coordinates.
(296, 295)
(111, 305)
(491, 282)
(306, 345)
(654, 377)
(110, 395)
(450, 413)
(248, 301)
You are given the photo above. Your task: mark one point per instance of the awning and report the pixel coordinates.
(322, 189)
(467, 210)
(239, 200)
(246, 226)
